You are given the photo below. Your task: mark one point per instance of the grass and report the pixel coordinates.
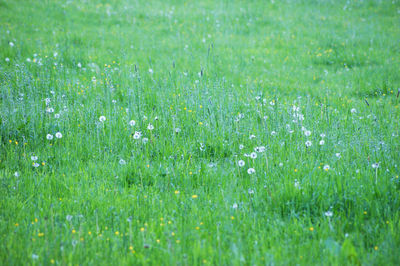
(220, 81)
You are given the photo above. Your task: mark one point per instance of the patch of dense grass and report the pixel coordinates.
(211, 132)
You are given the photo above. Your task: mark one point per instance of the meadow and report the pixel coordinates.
(199, 132)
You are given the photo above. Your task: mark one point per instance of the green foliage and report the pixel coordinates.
(265, 132)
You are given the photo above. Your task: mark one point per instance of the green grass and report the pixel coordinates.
(221, 72)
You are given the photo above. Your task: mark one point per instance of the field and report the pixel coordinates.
(199, 132)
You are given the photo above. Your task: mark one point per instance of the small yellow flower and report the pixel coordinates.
(200, 123)
(52, 261)
(116, 233)
(295, 170)
(197, 228)
(142, 229)
(40, 234)
(232, 218)
(172, 234)
(365, 212)
(158, 240)
(376, 248)
(73, 231)
(194, 196)
(177, 192)
(178, 241)
(16, 224)
(311, 228)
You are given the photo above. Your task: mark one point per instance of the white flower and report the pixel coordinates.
(280, 164)
(132, 123)
(79, 65)
(252, 136)
(69, 217)
(57, 116)
(307, 133)
(50, 110)
(58, 135)
(114, 101)
(338, 155)
(241, 146)
(375, 165)
(137, 135)
(16, 174)
(34, 158)
(7, 59)
(28, 60)
(35, 257)
(36, 165)
(122, 162)
(241, 163)
(327, 167)
(297, 184)
(253, 155)
(308, 143)
(235, 206)
(145, 140)
(102, 118)
(11, 44)
(150, 71)
(251, 171)
(49, 137)
(322, 135)
(272, 102)
(250, 191)
(47, 100)
(259, 149)
(353, 111)
(273, 133)
(150, 127)
(321, 142)
(177, 130)
(328, 214)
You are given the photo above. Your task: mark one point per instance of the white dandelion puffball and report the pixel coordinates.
(308, 143)
(326, 167)
(122, 162)
(49, 137)
(375, 165)
(58, 135)
(132, 123)
(150, 127)
(241, 163)
(102, 118)
(328, 214)
(137, 135)
(307, 133)
(321, 142)
(34, 158)
(251, 171)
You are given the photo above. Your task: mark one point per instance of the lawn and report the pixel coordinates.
(199, 132)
